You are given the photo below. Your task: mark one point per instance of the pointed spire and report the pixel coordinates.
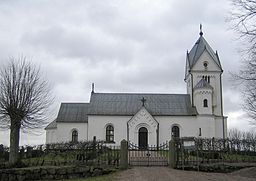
(92, 87)
(201, 32)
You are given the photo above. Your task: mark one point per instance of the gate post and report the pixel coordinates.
(124, 154)
(172, 153)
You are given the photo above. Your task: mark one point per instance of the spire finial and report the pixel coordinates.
(92, 87)
(201, 32)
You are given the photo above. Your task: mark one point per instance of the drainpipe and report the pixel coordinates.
(223, 122)
(192, 87)
(127, 132)
(157, 136)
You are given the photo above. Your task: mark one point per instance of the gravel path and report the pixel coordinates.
(167, 174)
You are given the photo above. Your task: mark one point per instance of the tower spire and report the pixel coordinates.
(201, 32)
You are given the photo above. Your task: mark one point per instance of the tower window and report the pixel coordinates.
(110, 133)
(74, 136)
(200, 132)
(205, 65)
(206, 78)
(205, 103)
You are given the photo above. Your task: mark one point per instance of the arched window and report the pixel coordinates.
(74, 136)
(205, 103)
(110, 133)
(175, 132)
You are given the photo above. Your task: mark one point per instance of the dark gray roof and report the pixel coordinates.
(52, 125)
(129, 104)
(73, 112)
(126, 104)
(203, 84)
(200, 46)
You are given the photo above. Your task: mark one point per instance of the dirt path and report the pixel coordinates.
(167, 174)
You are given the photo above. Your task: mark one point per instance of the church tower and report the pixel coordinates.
(203, 77)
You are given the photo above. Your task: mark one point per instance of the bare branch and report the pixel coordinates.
(24, 99)
(243, 19)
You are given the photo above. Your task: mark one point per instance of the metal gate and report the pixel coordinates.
(149, 156)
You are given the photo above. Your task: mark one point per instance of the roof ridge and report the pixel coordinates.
(123, 93)
(75, 103)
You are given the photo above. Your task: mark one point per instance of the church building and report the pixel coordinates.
(151, 119)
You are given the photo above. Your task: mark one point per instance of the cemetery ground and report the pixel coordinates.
(168, 174)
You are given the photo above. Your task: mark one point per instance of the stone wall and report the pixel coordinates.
(53, 172)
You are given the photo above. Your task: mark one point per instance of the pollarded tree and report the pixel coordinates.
(243, 19)
(24, 98)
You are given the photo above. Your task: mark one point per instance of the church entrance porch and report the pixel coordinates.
(149, 155)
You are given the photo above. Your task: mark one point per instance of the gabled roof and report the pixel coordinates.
(73, 112)
(125, 104)
(52, 125)
(203, 84)
(129, 104)
(200, 46)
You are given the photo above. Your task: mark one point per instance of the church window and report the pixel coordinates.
(110, 133)
(208, 79)
(175, 132)
(74, 136)
(200, 132)
(205, 103)
(205, 65)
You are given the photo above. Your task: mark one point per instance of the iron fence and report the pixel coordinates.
(151, 155)
(87, 153)
(198, 151)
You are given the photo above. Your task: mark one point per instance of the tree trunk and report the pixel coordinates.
(14, 142)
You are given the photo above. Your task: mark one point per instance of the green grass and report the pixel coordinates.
(108, 177)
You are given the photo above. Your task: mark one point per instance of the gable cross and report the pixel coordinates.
(143, 100)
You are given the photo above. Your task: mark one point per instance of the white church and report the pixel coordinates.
(151, 119)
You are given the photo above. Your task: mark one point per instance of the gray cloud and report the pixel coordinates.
(122, 46)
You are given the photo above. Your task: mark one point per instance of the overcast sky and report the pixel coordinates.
(121, 46)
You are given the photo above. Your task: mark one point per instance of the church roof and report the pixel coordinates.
(126, 104)
(203, 84)
(73, 112)
(200, 46)
(130, 103)
(52, 125)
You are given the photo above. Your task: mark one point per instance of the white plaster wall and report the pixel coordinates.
(97, 127)
(219, 126)
(207, 125)
(199, 96)
(205, 57)
(51, 136)
(64, 131)
(214, 72)
(189, 126)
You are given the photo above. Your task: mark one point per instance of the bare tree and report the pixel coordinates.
(24, 98)
(235, 134)
(243, 19)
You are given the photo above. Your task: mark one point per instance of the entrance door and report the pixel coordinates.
(143, 138)
(175, 131)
